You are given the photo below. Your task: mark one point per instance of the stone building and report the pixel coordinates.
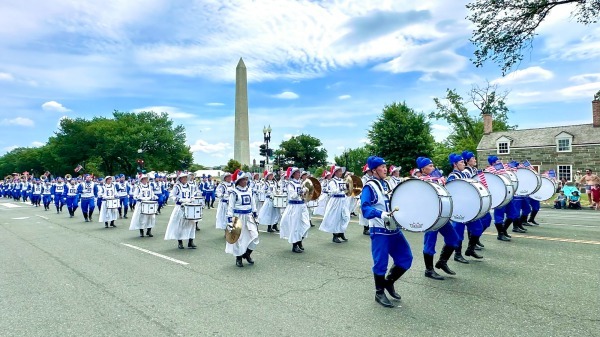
(564, 149)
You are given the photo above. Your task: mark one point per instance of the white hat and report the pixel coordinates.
(182, 174)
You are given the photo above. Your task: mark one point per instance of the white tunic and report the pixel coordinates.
(142, 193)
(223, 191)
(180, 228)
(323, 198)
(106, 214)
(241, 206)
(268, 215)
(295, 221)
(361, 219)
(337, 213)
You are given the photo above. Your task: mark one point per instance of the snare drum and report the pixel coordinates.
(470, 199)
(111, 203)
(149, 207)
(280, 201)
(422, 205)
(529, 182)
(500, 188)
(199, 201)
(546, 191)
(192, 211)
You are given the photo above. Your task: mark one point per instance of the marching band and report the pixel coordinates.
(387, 205)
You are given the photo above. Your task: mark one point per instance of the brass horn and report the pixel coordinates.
(314, 189)
(233, 231)
(354, 184)
(68, 176)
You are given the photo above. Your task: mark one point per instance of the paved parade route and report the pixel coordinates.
(66, 277)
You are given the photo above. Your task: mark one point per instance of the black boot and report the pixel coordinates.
(275, 228)
(518, 227)
(311, 224)
(149, 232)
(471, 249)
(443, 261)
(212, 204)
(105, 224)
(197, 229)
(90, 215)
(393, 276)
(120, 213)
(247, 256)
(270, 229)
(342, 236)
(380, 293)
(506, 225)
(141, 233)
(524, 221)
(335, 238)
(300, 245)
(191, 244)
(501, 236)
(365, 230)
(479, 244)
(532, 218)
(295, 248)
(180, 244)
(458, 255)
(112, 224)
(238, 261)
(85, 217)
(429, 271)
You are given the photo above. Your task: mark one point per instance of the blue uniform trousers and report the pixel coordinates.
(534, 204)
(474, 227)
(522, 205)
(87, 205)
(161, 200)
(71, 202)
(430, 238)
(47, 199)
(209, 197)
(99, 203)
(59, 201)
(486, 221)
(385, 243)
(132, 201)
(124, 204)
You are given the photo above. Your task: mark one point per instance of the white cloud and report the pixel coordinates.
(21, 121)
(215, 104)
(440, 132)
(343, 97)
(203, 146)
(287, 136)
(582, 90)
(37, 144)
(10, 148)
(6, 77)
(337, 124)
(287, 95)
(527, 75)
(528, 93)
(173, 112)
(60, 120)
(54, 106)
(585, 78)
(364, 141)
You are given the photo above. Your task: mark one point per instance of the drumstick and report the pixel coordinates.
(392, 212)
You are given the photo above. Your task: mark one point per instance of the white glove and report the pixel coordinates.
(385, 216)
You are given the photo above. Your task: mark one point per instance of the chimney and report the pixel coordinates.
(487, 123)
(596, 112)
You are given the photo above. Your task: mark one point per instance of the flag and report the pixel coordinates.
(481, 177)
(500, 168)
(552, 173)
(78, 168)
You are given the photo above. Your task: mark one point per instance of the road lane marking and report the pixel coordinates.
(43, 217)
(10, 205)
(21, 218)
(155, 254)
(546, 238)
(565, 224)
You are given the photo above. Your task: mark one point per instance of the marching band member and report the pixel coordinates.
(70, 194)
(472, 172)
(501, 224)
(100, 194)
(179, 228)
(254, 184)
(132, 186)
(535, 208)
(268, 214)
(143, 192)
(123, 194)
(337, 214)
(157, 189)
(87, 191)
(58, 191)
(367, 175)
(303, 176)
(395, 179)
(107, 215)
(295, 221)
(324, 197)
(223, 191)
(385, 242)
(521, 204)
(241, 206)
(474, 227)
(426, 168)
(36, 192)
(47, 194)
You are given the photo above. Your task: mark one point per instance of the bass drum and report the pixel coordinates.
(529, 182)
(470, 200)
(546, 191)
(422, 205)
(513, 179)
(500, 188)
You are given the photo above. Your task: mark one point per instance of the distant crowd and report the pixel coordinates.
(569, 193)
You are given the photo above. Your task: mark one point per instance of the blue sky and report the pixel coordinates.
(325, 68)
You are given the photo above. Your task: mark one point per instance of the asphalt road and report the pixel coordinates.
(65, 277)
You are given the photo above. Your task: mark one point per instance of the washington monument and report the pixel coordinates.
(241, 141)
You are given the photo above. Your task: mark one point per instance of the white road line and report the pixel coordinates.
(43, 217)
(155, 254)
(10, 205)
(21, 218)
(564, 224)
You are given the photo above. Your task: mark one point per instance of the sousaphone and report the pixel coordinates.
(354, 184)
(314, 189)
(233, 231)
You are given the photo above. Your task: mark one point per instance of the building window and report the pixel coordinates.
(564, 171)
(563, 145)
(503, 148)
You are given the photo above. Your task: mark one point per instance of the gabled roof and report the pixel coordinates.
(582, 134)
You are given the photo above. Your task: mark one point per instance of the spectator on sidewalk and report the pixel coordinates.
(561, 201)
(589, 180)
(596, 196)
(575, 200)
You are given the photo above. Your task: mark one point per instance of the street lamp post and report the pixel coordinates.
(267, 139)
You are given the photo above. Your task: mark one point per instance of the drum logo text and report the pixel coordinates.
(416, 225)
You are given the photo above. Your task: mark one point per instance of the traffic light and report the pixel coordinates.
(263, 150)
(262, 163)
(270, 152)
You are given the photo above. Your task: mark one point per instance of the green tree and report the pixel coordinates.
(400, 135)
(503, 28)
(196, 167)
(302, 151)
(232, 165)
(353, 159)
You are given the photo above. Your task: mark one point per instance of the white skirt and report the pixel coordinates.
(321, 204)
(295, 223)
(179, 228)
(248, 238)
(222, 215)
(107, 214)
(141, 221)
(268, 215)
(337, 216)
